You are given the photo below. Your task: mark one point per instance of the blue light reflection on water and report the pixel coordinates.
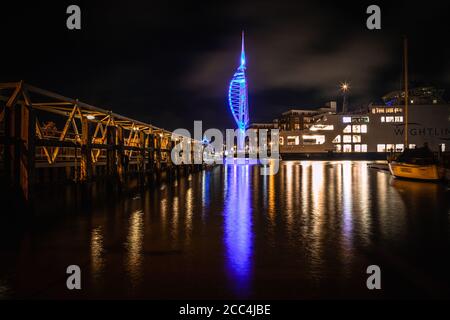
(206, 177)
(238, 228)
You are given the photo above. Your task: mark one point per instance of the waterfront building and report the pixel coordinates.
(301, 119)
(373, 132)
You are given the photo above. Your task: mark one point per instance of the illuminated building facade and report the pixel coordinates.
(373, 132)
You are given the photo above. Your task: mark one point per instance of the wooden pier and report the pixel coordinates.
(48, 138)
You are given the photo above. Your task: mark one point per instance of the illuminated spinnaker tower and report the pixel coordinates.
(238, 98)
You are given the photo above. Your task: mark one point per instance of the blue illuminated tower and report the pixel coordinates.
(238, 98)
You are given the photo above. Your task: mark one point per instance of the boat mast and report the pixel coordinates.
(405, 68)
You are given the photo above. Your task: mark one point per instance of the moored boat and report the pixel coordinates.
(418, 164)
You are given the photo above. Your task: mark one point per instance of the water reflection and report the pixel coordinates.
(4, 290)
(206, 177)
(175, 217)
(271, 207)
(309, 231)
(134, 246)
(364, 201)
(189, 213)
(415, 192)
(347, 183)
(289, 196)
(238, 228)
(97, 260)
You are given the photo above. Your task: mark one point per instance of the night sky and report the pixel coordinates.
(169, 63)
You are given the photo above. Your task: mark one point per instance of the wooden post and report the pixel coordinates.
(20, 151)
(170, 165)
(151, 156)
(119, 144)
(158, 155)
(141, 158)
(7, 146)
(29, 132)
(86, 158)
(111, 161)
(158, 158)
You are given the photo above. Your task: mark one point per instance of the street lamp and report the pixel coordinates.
(345, 87)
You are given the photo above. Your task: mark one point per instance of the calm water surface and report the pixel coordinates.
(308, 232)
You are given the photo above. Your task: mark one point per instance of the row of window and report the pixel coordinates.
(355, 119)
(307, 139)
(348, 141)
(387, 110)
(347, 138)
(322, 127)
(348, 148)
(356, 128)
(389, 147)
(392, 119)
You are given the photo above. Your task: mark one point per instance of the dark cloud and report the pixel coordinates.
(170, 63)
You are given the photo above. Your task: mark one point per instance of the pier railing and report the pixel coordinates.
(41, 130)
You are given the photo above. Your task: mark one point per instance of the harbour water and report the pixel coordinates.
(310, 231)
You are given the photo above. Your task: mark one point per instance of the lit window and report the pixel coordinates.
(313, 139)
(356, 138)
(347, 148)
(360, 120)
(390, 147)
(356, 128)
(296, 126)
(364, 128)
(347, 138)
(338, 148)
(399, 147)
(337, 139)
(319, 127)
(412, 146)
(374, 110)
(389, 110)
(389, 119)
(346, 119)
(360, 147)
(293, 140)
(281, 140)
(412, 101)
(398, 110)
(399, 119)
(382, 119)
(381, 148)
(347, 129)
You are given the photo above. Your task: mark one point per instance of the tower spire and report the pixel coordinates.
(242, 51)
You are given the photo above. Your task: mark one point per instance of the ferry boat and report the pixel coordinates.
(373, 133)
